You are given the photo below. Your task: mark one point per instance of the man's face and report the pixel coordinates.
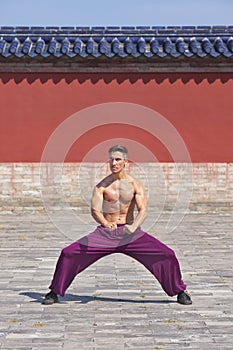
(117, 162)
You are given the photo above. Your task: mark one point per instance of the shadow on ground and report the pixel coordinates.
(85, 299)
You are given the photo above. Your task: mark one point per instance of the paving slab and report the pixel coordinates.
(116, 303)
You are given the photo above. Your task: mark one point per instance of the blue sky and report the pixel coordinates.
(115, 12)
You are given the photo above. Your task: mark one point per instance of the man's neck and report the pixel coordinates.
(119, 176)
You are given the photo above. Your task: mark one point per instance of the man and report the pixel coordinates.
(113, 202)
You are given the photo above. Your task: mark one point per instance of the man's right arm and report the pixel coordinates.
(96, 208)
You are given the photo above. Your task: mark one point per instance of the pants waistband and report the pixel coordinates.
(118, 225)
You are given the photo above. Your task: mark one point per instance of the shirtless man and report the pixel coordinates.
(113, 203)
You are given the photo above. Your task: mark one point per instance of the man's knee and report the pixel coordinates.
(170, 254)
(70, 250)
(65, 252)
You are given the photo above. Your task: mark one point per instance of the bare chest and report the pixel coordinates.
(122, 191)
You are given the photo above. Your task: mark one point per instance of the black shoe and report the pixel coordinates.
(184, 298)
(50, 298)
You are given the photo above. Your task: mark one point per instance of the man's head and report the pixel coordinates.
(117, 158)
(118, 148)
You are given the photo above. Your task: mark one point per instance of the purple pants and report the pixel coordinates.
(153, 254)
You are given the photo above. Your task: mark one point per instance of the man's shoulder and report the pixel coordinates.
(132, 179)
(105, 182)
(135, 183)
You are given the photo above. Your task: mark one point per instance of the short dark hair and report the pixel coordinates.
(119, 148)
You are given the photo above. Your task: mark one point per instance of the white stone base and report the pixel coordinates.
(202, 187)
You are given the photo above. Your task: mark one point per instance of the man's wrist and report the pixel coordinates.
(133, 227)
(130, 228)
(105, 223)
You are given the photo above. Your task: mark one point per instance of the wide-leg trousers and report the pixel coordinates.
(159, 259)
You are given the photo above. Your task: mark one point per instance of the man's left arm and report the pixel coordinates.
(141, 203)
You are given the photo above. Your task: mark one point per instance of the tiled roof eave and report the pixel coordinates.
(122, 42)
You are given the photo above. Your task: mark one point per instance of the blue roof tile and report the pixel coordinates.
(27, 45)
(103, 46)
(158, 27)
(39, 46)
(77, 48)
(167, 45)
(110, 41)
(206, 45)
(113, 27)
(194, 45)
(219, 46)
(141, 45)
(115, 47)
(154, 46)
(90, 46)
(230, 44)
(128, 46)
(14, 46)
(7, 28)
(180, 45)
(67, 28)
(65, 46)
(188, 27)
(2, 46)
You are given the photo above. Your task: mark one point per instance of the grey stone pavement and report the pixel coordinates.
(116, 303)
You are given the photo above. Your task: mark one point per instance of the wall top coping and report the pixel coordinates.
(113, 41)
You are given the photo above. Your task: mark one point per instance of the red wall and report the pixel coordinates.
(198, 106)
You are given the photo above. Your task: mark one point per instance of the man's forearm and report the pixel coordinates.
(141, 216)
(98, 216)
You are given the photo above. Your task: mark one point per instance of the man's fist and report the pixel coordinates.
(128, 229)
(111, 226)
